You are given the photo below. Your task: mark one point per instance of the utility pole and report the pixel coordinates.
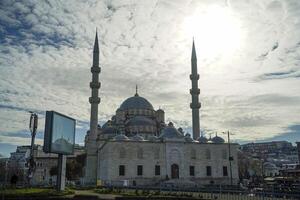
(33, 123)
(230, 158)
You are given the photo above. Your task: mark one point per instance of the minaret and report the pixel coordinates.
(195, 91)
(95, 85)
(91, 143)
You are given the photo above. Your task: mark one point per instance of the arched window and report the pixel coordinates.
(140, 153)
(207, 154)
(122, 153)
(193, 154)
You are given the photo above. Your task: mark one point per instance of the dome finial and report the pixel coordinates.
(136, 90)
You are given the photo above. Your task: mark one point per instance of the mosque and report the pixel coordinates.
(137, 147)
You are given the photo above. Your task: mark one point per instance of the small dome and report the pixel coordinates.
(188, 138)
(202, 139)
(217, 140)
(121, 137)
(137, 138)
(140, 121)
(107, 124)
(170, 132)
(136, 102)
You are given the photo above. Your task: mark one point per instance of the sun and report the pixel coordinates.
(217, 32)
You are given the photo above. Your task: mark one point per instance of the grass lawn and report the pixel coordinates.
(32, 192)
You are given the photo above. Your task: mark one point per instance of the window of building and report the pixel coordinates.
(140, 170)
(207, 154)
(192, 170)
(122, 170)
(193, 154)
(208, 170)
(157, 170)
(225, 171)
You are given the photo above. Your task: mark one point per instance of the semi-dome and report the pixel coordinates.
(170, 132)
(121, 137)
(202, 139)
(217, 139)
(136, 102)
(140, 121)
(137, 138)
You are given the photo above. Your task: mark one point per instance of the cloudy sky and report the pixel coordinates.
(248, 59)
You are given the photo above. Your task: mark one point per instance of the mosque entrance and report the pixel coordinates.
(174, 171)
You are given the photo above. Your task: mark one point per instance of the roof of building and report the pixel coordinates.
(202, 139)
(217, 139)
(120, 137)
(188, 138)
(137, 138)
(140, 121)
(136, 102)
(152, 138)
(170, 132)
(110, 130)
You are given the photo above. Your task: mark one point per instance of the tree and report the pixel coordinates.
(53, 171)
(74, 168)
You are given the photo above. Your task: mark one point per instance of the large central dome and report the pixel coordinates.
(136, 102)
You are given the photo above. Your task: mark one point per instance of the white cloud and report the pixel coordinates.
(46, 63)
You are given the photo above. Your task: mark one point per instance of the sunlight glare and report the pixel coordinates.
(216, 31)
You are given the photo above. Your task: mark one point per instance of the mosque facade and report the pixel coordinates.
(137, 147)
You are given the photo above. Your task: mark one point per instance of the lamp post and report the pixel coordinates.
(230, 158)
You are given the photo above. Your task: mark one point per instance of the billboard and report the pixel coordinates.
(59, 134)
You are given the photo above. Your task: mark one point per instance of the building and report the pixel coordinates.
(137, 146)
(270, 169)
(17, 164)
(267, 147)
(44, 162)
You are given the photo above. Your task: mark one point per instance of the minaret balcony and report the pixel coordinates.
(95, 69)
(195, 91)
(194, 76)
(94, 100)
(195, 105)
(95, 85)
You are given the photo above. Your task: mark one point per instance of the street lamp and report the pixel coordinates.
(230, 158)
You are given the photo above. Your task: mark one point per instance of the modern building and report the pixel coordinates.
(137, 146)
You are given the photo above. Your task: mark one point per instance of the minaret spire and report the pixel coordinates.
(95, 85)
(136, 90)
(195, 91)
